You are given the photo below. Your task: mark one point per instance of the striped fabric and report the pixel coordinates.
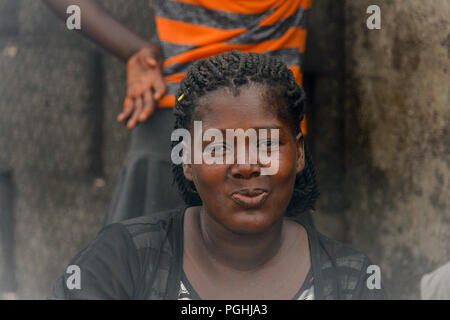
(193, 29)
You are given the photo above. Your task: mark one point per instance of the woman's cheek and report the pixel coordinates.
(287, 165)
(211, 176)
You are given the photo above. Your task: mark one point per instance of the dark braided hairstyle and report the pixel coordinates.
(233, 70)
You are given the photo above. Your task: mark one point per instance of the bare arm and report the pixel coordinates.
(101, 27)
(145, 84)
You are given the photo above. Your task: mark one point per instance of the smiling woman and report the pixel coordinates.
(242, 234)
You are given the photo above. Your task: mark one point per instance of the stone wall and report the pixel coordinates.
(58, 133)
(397, 120)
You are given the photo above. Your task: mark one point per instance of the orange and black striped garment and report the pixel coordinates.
(194, 29)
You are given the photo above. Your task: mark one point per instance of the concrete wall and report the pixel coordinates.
(397, 120)
(58, 134)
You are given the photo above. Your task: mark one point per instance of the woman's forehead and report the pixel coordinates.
(250, 106)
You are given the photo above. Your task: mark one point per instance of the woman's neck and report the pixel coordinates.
(243, 252)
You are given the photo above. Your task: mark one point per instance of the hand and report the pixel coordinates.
(145, 86)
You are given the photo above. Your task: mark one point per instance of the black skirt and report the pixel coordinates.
(146, 184)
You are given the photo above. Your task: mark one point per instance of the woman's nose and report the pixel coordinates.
(245, 171)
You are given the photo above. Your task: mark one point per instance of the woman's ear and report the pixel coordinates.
(300, 142)
(186, 158)
(187, 170)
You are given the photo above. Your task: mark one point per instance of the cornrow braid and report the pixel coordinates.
(233, 70)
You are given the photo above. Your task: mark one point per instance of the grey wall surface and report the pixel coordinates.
(378, 127)
(397, 107)
(58, 134)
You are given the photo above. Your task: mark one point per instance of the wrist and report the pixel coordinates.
(153, 51)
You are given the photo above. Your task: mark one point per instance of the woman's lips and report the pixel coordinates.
(250, 198)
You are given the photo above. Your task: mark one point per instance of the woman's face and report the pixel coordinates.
(238, 196)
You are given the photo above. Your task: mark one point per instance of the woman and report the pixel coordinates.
(242, 234)
(185, 31)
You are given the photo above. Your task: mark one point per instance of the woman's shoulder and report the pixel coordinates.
(114, 265)
(331, 252)
(155, 230)
(341, 254)
(347, 271)
(158, 221)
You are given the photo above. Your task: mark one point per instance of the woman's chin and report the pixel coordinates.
(250, 223)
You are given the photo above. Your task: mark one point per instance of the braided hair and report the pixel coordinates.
(233, 70)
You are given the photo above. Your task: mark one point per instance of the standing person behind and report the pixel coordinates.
(187, 30)
(436, 284)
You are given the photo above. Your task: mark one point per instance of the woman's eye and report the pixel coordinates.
(269, 144)
(217, 148)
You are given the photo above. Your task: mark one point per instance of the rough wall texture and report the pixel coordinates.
(58, 133)
(397, 138)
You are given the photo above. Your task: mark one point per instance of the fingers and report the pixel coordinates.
(150, 62)
(148, 106)
(128, 107)
(137, 111)
(159, 88)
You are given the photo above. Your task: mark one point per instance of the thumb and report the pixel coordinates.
(150, 62)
